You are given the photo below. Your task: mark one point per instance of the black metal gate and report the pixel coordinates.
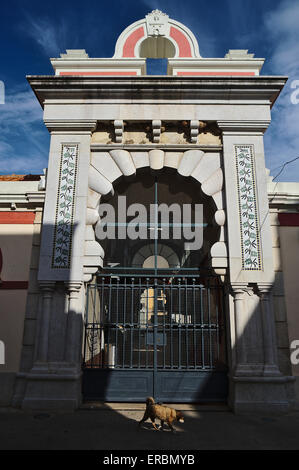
(158, 336)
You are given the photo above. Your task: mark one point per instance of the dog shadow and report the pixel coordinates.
(147, 426)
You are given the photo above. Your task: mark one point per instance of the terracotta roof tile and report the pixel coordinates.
(14, 177)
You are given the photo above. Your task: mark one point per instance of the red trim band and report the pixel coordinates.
(131, 41)
(13, 285)
(217, 73)
(182, 42)
(98, 73)
(13, 217)
(288, 219)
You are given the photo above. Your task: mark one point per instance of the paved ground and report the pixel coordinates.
(110, 428)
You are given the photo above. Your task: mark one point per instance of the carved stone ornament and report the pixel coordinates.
(157, 23)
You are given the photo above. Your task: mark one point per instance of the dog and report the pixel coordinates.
(163, 413)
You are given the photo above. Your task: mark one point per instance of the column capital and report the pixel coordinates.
(264, 288)
(239, 288)
(73, 286)
(47, 286)
(74, 126)
(243, 127)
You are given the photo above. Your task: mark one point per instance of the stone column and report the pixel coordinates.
(55, 378)
(47, 289)
(255, 381)
(270, 365)
(238, 293)
(74, 324)
(245, 364)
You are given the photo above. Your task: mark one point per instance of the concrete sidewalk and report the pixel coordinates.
(115, 426)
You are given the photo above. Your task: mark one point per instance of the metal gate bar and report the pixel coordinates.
(153, 323)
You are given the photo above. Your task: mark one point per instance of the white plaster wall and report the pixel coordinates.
(16, 246)
(16, 242)
(289, 246)
(13, 304)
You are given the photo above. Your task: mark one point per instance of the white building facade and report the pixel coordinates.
(120, 320)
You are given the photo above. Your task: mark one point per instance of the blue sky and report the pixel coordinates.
(33, 31)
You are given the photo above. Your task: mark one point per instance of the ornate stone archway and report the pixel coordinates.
(86, 91)
(106, 168)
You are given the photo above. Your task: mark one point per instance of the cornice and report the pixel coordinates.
(283, 198)
(74, 126)
(34, 197)
(240, 127)
(158, 89)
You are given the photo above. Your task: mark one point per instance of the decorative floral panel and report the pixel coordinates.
(65, 207)
(250, 241)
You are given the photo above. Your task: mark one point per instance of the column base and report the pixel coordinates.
(19, 391)
(257, 370)
(271, 371)
(260, 394)
(7, 381)
(249, 370)
(296, 393)
(53, 386)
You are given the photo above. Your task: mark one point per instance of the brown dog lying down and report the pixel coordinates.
(164, 413)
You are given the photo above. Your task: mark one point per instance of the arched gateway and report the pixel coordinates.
(132, 300)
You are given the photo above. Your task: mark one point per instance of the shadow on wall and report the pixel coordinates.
(127, 380)
(18, 258)
(119, 357)
(33, 336)
(258, 376)
(54, 316)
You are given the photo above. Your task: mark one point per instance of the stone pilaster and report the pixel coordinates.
(238, 295)
(269, 339)
(47, 289)
(256, 383)
(59, 336)
(74, 324)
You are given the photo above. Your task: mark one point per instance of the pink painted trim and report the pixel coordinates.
(17, 217)
(131, 41)
(12, 285)
(182, 42)
(98, 73)
(226, 74)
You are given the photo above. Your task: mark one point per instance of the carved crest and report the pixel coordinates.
(157, 23)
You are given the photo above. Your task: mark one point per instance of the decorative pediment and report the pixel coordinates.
(157, 23)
